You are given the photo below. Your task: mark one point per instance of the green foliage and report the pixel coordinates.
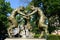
(49, 6)
(36, 35)
(53, 37)
(4, 10)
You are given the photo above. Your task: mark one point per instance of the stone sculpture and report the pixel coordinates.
(26, 15)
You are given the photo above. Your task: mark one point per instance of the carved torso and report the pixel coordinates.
(42, 17)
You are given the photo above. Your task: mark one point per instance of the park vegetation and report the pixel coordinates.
(51, 9)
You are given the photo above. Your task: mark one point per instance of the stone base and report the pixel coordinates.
(22, 39)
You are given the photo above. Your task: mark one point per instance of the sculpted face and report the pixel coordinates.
(21, 8)
(32, 8)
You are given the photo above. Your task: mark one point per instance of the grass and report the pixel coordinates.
(49, 37)
(53, 37)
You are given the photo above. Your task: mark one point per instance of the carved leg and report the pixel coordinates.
(42, 33)
(46, 32)
(9, 30)
(45, 29)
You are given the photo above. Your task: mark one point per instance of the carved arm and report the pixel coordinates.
(21, 13)
(32, 13)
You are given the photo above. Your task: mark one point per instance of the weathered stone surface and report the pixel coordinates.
(22, 39)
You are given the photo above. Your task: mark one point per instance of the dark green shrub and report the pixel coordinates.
(53, 37)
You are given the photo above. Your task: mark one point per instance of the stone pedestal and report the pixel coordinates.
(22, 39)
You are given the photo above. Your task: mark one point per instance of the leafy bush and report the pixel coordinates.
(53, 37)
(36, 35)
